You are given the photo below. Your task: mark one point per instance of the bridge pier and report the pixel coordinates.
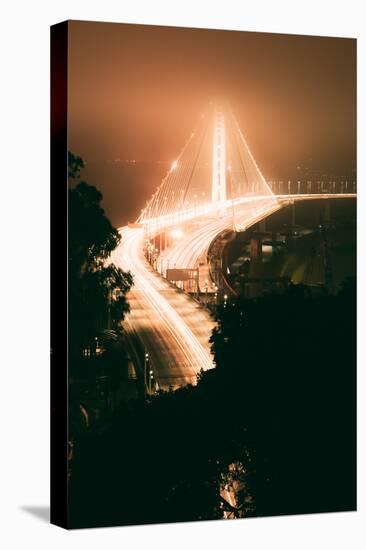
(216, 259)
(256, 250)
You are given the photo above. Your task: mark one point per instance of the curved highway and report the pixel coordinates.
(187, 251)
(172, 327)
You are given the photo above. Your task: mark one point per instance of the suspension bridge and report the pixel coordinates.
(213, 186)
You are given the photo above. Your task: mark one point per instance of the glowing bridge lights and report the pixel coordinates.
(218, 187)
(196, 353)
(177, 233)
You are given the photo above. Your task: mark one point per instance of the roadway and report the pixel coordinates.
(238, 215)
(171, 326)
(187, 251)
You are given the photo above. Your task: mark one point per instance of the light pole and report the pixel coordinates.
(161, 265)
(206, 290)
(197, 274)
(225, 300)
(215, 289)
(146, 364)
(151, 377)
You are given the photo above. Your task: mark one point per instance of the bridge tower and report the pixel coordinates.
(218, 195)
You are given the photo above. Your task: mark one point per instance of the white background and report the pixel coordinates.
(24, 218)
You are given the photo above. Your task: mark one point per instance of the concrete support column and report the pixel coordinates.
(256, 249)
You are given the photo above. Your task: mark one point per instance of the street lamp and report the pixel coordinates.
(98, 349)
(146, 363)
(225, 300)
(151, 377)
(161, 265)
(197, 277)
(215, 288)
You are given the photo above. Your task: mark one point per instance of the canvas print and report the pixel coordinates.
(204, 279)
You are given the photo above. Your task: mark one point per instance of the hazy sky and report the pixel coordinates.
(136, 92)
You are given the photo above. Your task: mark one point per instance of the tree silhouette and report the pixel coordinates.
(281, 402)
(75, 164)
(97, 288)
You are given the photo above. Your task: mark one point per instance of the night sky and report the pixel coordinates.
(136, 93)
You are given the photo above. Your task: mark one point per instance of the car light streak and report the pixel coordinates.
(129, 256)
(187, 332)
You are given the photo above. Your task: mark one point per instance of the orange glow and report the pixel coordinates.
(177, 233)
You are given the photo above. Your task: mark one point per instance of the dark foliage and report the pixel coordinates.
(289, 363)
(97, 288)
(75, 164)
(281, 401)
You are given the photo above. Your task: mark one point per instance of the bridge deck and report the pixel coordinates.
(170, 325)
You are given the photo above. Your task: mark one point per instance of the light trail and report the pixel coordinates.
(155, 224)
(186, 351)
(214, 163)
(189, 249)
(171, 326)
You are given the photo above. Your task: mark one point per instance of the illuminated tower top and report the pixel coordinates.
(218, 195)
